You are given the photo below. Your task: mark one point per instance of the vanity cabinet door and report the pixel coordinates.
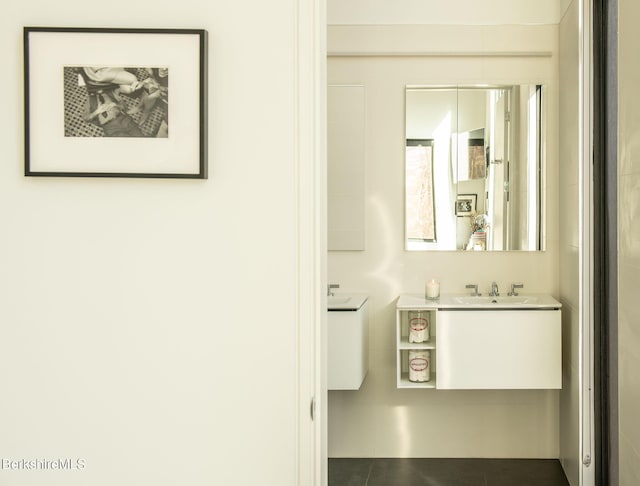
(505, 349)
(347, 348)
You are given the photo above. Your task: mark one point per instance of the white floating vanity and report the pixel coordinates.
(347, 341)
(482, 342)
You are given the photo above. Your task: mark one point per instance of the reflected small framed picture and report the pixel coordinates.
(115, 102)
(466, 204)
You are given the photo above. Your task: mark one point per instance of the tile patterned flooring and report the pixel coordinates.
(446, 472)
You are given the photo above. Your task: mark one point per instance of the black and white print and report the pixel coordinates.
(108, 101)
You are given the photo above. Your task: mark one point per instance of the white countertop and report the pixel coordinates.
(466, 301)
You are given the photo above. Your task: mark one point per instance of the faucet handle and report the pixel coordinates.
(494, 290)
(515, 286)
(475, 292)
(330, 288)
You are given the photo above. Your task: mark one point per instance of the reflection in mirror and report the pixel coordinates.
(420, 209)
(473, 168)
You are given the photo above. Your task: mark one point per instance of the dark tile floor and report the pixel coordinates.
(446, 472)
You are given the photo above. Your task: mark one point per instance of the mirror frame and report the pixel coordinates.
(541, 155)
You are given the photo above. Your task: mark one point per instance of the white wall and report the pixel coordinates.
(570, 453)
(147, 326)
(458, 12)
(629, 241)
(346, 121)
(380, 420)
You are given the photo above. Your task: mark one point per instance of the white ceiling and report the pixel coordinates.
(456, 12)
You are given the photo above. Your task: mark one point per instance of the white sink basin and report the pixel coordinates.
(335, 299)
(466, 301)
(346, 302)
(526, 301)
(508, 300)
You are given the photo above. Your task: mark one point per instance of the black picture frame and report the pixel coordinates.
(118, 119)
(466, 204)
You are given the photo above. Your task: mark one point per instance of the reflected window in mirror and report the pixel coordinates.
(420, 210)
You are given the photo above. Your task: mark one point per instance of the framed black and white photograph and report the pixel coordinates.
(115, 102)
(466, 204)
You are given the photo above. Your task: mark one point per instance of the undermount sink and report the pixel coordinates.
(335, 299)
(510, 300)
(345, 302)
(526, 301)
(483, 302)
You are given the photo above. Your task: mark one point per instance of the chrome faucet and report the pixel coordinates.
(475, 292)
(330, 288)
(515, 286)
(494, 290)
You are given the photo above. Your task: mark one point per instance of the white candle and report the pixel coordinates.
(433, 289)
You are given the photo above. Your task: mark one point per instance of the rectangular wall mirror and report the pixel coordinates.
(474, 168)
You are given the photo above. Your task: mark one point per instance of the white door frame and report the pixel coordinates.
(586, 317)
(310, 146)
(311, 256)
